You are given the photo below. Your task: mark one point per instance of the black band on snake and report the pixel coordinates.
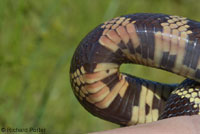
(161, 41)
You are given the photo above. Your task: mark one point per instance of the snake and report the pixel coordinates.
(166, 42)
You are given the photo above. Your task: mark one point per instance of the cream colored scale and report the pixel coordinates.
(174, 40)
(100, 94)
(191, 94)
(117, 30)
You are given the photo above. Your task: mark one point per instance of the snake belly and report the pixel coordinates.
(171, 43)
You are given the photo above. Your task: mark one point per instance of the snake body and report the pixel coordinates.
(171, 43)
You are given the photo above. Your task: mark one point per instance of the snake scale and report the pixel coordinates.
(171, 43)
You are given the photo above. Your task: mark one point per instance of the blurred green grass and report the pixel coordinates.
(37, 41)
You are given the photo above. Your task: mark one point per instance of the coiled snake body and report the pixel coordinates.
(162, 41)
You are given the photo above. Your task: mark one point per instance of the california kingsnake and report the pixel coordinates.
(162, 41)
